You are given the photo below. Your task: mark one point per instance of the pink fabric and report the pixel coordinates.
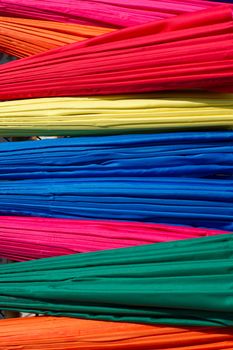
(26, 238)
(114, 13)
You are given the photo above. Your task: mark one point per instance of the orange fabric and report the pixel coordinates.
(24, 37)
(53, 333)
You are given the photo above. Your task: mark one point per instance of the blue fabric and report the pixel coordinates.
(179, 178)
(226, 1)
(185, 154)
(184, 201)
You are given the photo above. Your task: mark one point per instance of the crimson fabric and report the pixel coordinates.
(191, 51)
(25, 238)
(115, 13)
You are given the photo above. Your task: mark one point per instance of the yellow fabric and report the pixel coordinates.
(115, 114)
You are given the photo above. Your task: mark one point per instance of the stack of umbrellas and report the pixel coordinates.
(122, 233)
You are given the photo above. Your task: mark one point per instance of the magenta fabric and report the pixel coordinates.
(26, 238)
(111, 13)
(187, 52)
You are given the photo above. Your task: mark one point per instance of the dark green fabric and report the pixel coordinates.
(180, 283)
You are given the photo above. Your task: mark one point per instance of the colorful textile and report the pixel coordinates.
(178, 283)
(51, 333)
(183, 154)
(25, 238)
(181, 201)
(115, 13)
(116, 114)
(25, 37)
(187, 52)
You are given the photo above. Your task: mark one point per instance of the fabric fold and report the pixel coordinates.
(62, 333)
(117, 14)
(22, 37)
(25, 238)
(116, 114)
(182, 154)
(171, 200)
(187, 52)
(184, 283)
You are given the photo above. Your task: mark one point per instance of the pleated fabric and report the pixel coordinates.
(187, 52)
(183, 201)
(25, 238)
(114, 13)
(116, 114)
(62, 333)
(22, 37)
(184, 283)
(182, 154)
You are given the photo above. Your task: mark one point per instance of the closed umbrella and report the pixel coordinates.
(116, 114)
(26, 238)
(183, 154)
(174, 200)
(187, 52)
(22, 37)
(115, 13)
(62, 333)
(184, 283)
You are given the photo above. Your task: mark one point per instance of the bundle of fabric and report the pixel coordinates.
(26, 37)
(186, 52)
(114, 13)
(183, 201)
(179, 283)
(183, 154)
(62, 333)
(116, 114)
(25, 238)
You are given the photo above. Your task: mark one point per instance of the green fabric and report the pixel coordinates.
(180, 283)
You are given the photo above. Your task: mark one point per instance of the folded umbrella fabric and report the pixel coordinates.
(116, 114)
(186, 52)
(182, 201)
(182, 154)
(184, 283)
(25, 238)
(60, 333)
(114, 13)
(25, 37)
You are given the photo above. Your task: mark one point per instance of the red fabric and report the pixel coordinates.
(191, 51)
